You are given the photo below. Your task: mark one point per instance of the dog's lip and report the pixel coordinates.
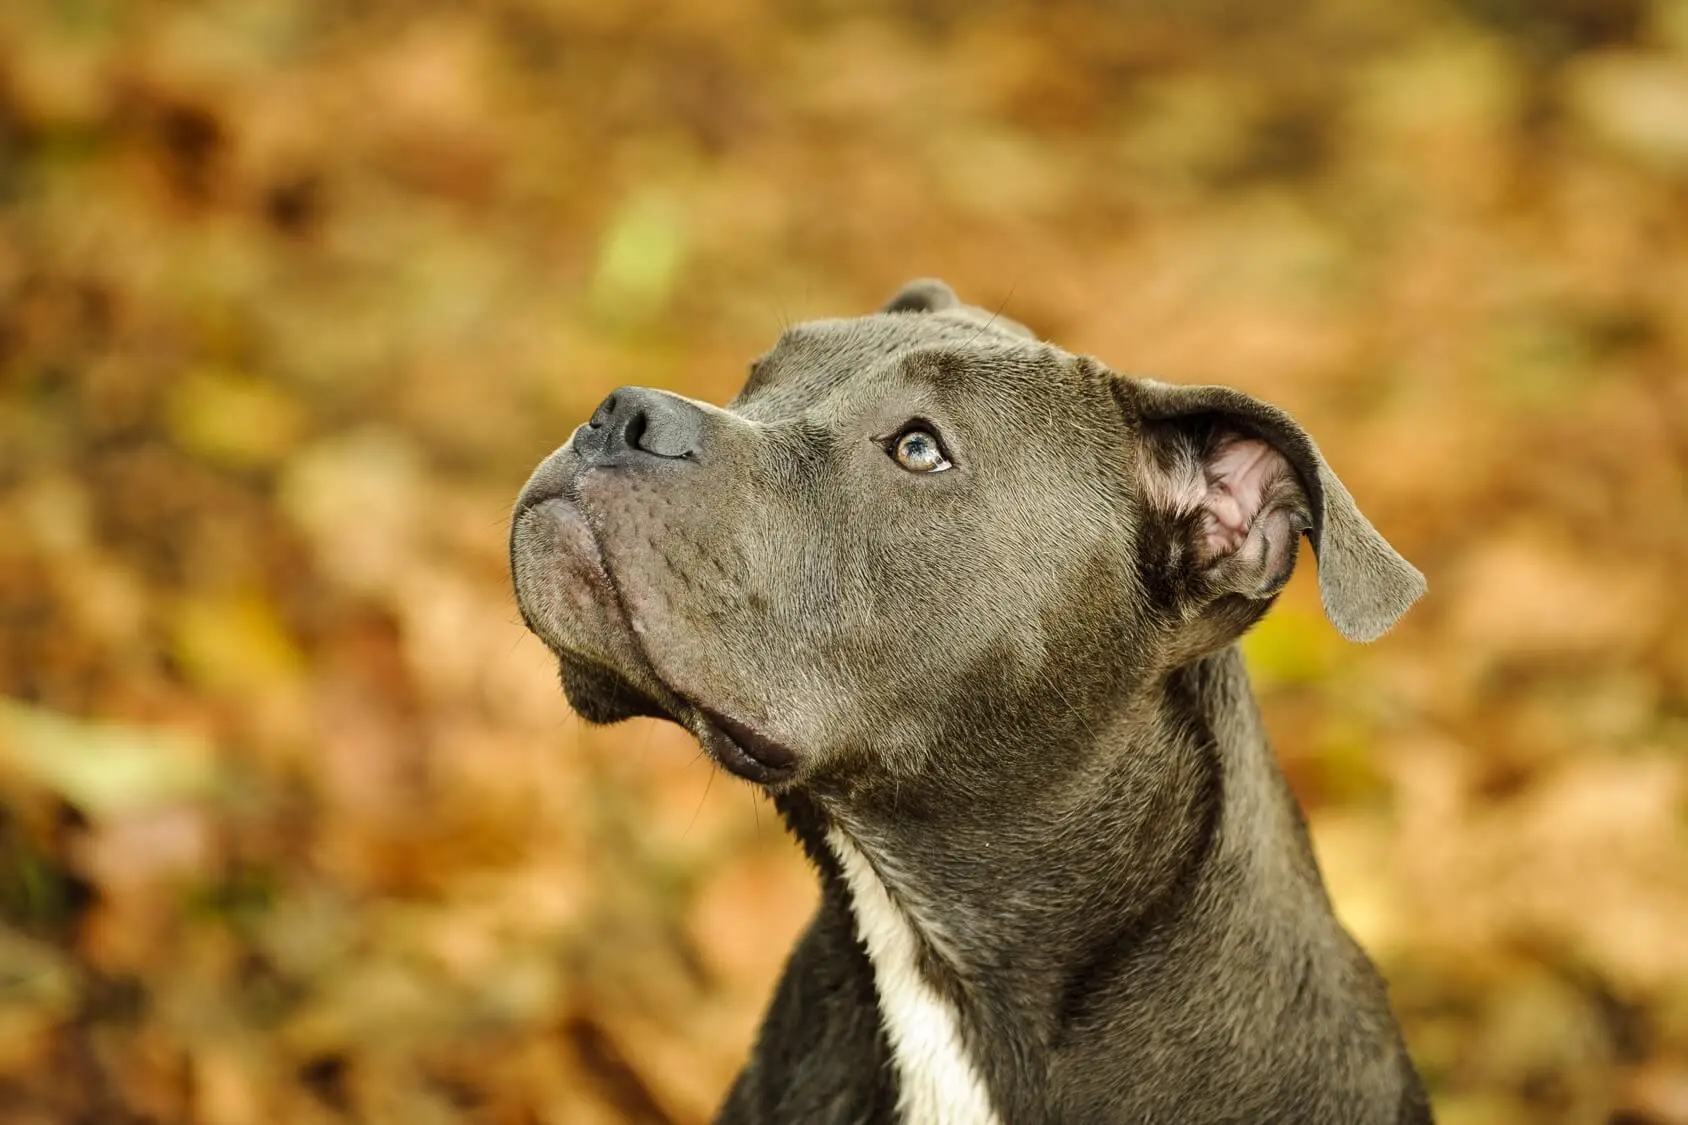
(736, 746)
(742, 750)
(566, 519)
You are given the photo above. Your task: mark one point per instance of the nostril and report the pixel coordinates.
(634, 431)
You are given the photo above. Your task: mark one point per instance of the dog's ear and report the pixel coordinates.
(1237, 481)
(927, 294)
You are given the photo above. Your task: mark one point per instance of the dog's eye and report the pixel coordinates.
(918, 451)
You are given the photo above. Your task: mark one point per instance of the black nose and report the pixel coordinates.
(637, 423)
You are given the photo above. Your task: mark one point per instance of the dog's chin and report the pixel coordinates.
(602, 696)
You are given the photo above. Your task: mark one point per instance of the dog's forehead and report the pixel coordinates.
(959, 326)
(814, 358)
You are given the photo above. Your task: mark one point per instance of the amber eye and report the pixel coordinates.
(918, 451)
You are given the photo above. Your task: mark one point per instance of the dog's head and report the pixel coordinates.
(917, 540)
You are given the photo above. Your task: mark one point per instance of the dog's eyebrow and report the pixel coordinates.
(942, 368)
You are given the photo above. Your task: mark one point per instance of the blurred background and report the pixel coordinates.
(295, 825)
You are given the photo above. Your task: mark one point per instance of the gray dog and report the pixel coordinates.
(966, 605)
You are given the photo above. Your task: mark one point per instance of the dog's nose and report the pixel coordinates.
(637, 423)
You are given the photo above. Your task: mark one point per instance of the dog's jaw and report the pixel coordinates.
(939, 1081)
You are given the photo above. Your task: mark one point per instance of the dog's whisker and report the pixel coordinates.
(710, 780)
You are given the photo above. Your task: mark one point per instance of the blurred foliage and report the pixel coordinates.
(294, 825)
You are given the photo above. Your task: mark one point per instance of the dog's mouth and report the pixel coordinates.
(606, 689)
(741, 750)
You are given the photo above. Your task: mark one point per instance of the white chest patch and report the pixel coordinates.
(940, 1085)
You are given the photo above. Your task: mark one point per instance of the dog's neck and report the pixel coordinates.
(992, 915)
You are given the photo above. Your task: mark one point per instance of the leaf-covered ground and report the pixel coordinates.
(294, 824)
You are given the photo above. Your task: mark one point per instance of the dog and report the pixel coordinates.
(966, 605)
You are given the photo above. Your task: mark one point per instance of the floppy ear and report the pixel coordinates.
(1239, 482)
(926, 294)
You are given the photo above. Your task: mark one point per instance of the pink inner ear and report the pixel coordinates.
(1249, 504)
(1240, 473)
(1251, 513)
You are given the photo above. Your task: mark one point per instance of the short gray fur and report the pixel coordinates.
(1014, 686)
